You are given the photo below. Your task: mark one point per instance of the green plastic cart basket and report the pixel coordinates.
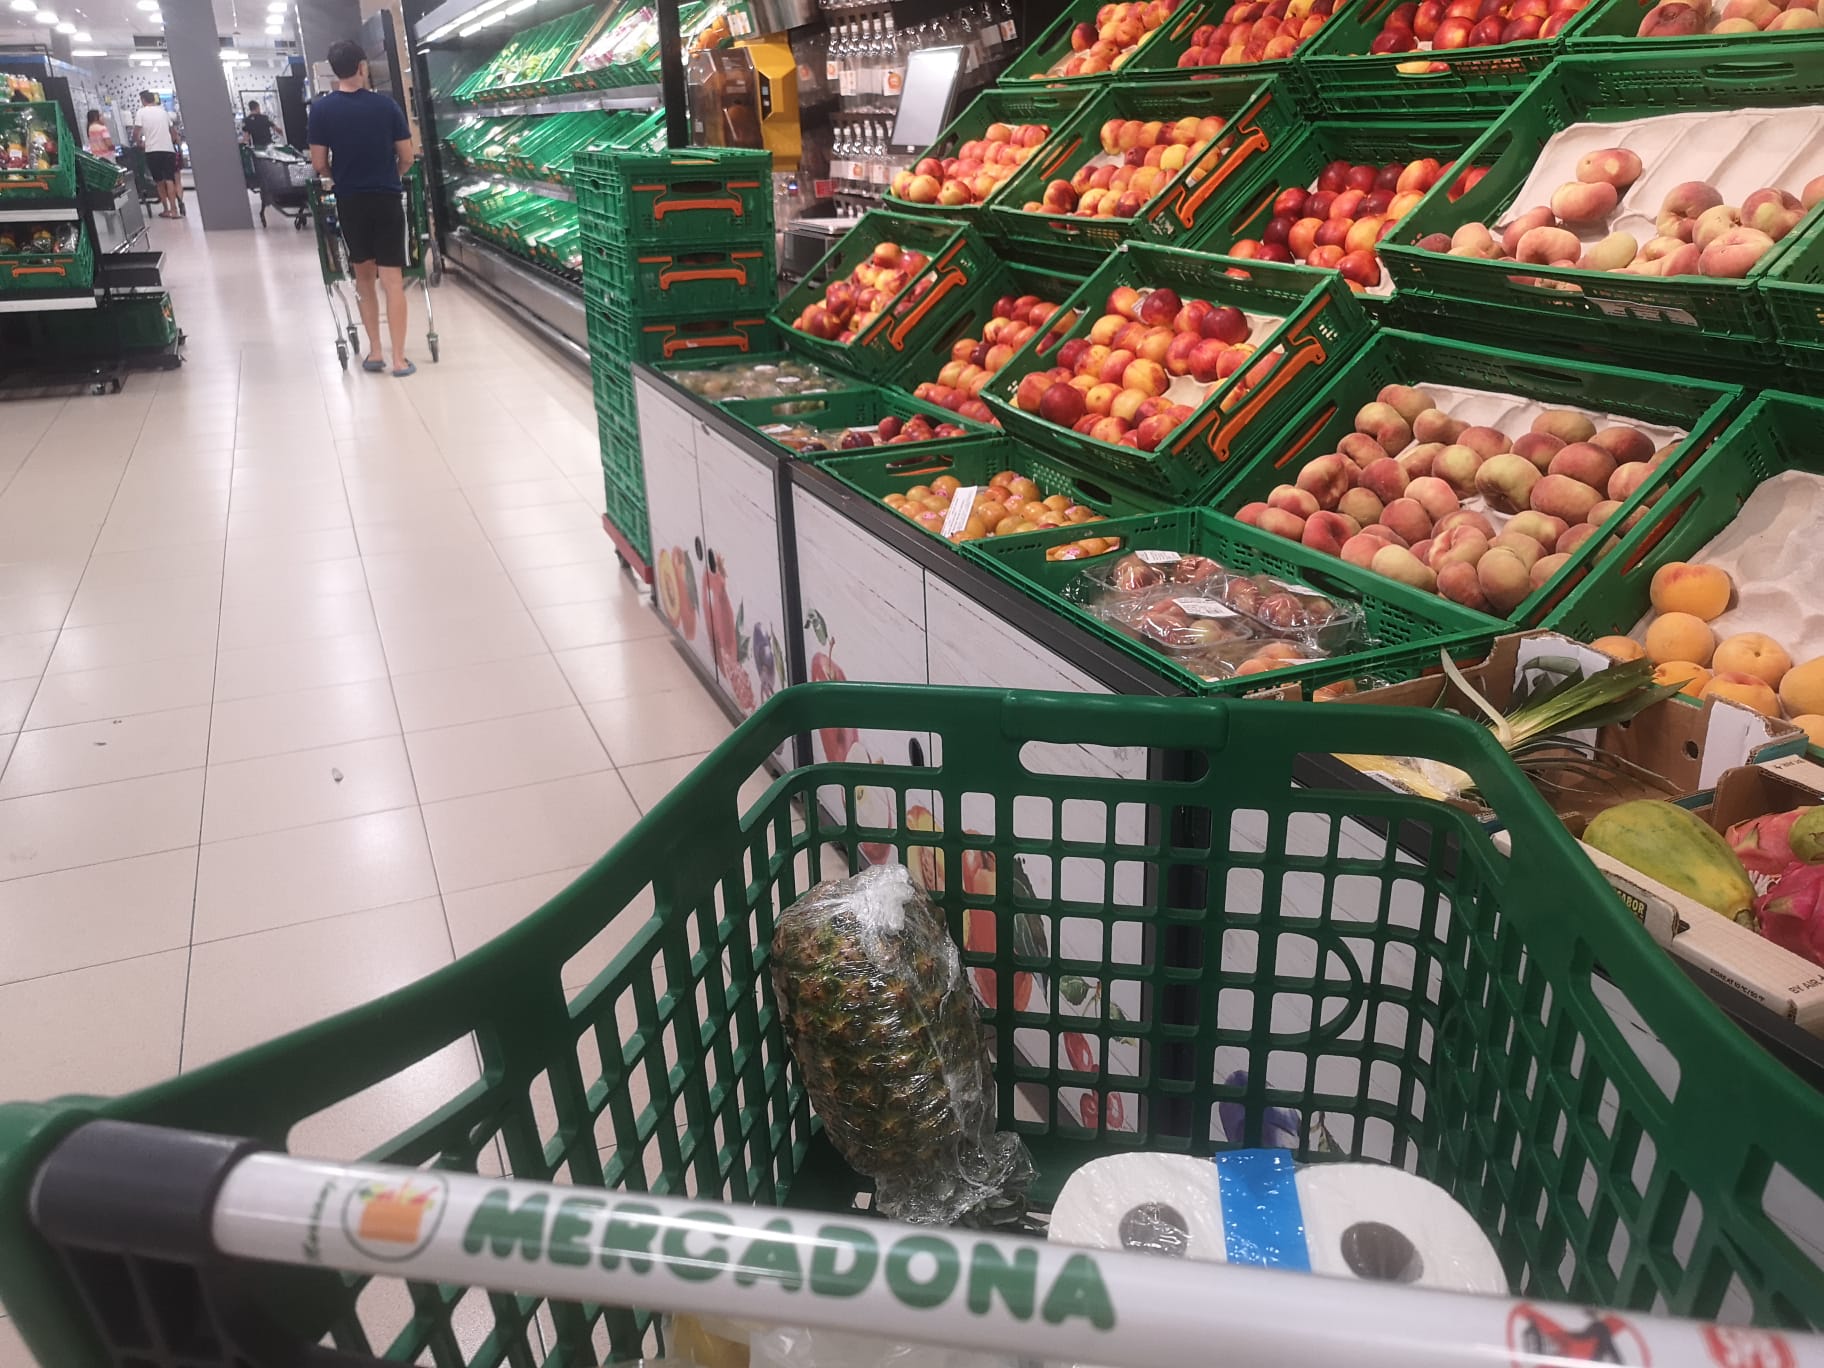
(1430, 1004)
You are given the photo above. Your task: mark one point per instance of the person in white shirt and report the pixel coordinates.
(154, 133)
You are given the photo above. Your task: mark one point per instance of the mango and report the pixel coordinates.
(1675, 848)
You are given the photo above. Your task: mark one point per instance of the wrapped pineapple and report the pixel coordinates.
(885, 1032)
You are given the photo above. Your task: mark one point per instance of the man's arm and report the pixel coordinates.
(319, 160)
(406, 156)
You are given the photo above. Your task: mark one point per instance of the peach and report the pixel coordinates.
(1457, 582)
(1434, 425)
(1328, 478)
(1659, 247)
(1522, 546)
(1611, 254)
(1506, 482)
(1619, 648)
(1583, 202)
(1484, 441)
(1564, 497)
(1504, 579)
(1794, 19)
(1149, 377)
(1564, 424)
(1433, 495)
(1384, 479)
(1457, 465)
(1408, 401)
(1574, 537)
(1585, 462)
(1544, 568)
(1626, 444)
(1760, 13)
(1679, 211)
(1361, 504)
(1713, 223)
(1733, 254)
(1474, 240)
(1328, 532)
(1813, 192)
(1775, 212)
(1679, 636)
(1521, 225)
(1386, 424)
(1464, 517)
(1249, 513)
(1674, 19)
(1541, 527)
(1362, 548)
(1802, 687)
(1281, 523)
(1744, 689)
(1615, 165)
(1603, 511)
(1397, 563)
(1546, 246)
(1703, 591)
(1416, 460)
(1752, 653)
(1293, 500)
(1422, 549)
(1812, 724)
(1537, 447)
(1407, 518)
(1362, 449)
(1464, 544)
(1687, 674)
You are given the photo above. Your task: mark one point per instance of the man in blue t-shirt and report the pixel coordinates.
(359, 138)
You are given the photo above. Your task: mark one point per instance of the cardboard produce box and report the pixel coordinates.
(1779, 980)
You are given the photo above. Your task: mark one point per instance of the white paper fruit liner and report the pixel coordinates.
(1772, 552)
(1738, 151)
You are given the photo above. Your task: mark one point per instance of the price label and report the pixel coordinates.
(832, 70)
(1008, 32)
(1205, 607)
(962, 504)
(896, 80)
(1158, 557)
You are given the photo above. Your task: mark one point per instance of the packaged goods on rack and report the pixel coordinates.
(33, 160)
(544, 231)
(763, 377)
(47, 256)
(847, 420)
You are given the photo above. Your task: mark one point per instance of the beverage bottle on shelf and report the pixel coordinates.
(893, 69)
(1003, 14)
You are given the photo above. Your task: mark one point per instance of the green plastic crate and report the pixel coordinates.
(691, 195)
(1407, 627)
(1248, 208)
(1395, 358)
(1349, 80)
(1688, 318)
(625, 506)
(862, 407)
(93, 173)
(959, 261)
(1608, 27)
(923, 361)
(1032, 63)
(673, 281)
(1794, 294)
(1322, 328)
(1449, 1021)
(999, 104)
(1258, 116)
(618, 340)
(21, 122)
(1775, 433)
(28, 271)
(1161, 60)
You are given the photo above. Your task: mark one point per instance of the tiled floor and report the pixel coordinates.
(308, 681)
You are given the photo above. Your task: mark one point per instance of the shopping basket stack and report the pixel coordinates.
(678, 257)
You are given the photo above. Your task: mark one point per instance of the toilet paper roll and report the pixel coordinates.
(1364, 1221)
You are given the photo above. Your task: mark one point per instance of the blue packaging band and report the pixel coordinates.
(1262, 1222)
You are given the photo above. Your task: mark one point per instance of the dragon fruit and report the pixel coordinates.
(1792, 911)
(1807, 835)
(1764, 844)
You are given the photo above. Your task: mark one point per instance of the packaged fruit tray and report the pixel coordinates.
(1088, 41)
(1650, 144)
(1223, 127)
(1453, 58)
(891, 281)
(1252, 38)
(821, 425)
(1241, 347)
(972, 160)
(45, 256)
(1397, 631)
(32, 161)
(1653, 574)
(951, 367)
(1306, 186)
(775, 375)
(1695, 30)
(927, 486)
(1424, 455)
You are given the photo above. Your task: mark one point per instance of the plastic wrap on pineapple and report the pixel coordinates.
(885, 1031)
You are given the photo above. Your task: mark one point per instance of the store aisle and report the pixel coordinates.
(308, 681)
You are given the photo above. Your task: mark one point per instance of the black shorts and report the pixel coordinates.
(373, 226)
(162, 166)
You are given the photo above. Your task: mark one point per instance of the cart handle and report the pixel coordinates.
(181, 1194)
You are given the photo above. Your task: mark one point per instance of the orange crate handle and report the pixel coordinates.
(1300, 352)
(39, 270)
(674, 346)
(897, 337)
(1254, 140)
(738, 274)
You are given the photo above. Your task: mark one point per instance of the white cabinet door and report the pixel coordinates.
(669, 455)
(743, 585)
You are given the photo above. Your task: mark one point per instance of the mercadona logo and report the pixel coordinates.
(394, 1221)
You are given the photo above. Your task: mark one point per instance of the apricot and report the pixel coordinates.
(1680, 636)
(1802, 687)
(1752, 653)
(1703, 591)
(1744, 689)
(1812, 724)
(1687, 673)
(1619, 647)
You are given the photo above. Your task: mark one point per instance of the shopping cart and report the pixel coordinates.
(283, 182)
(421, 260)
(644, 1142)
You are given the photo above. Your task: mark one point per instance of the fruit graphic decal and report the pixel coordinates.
(675, 585)
(766, 661)
(729, 638)
(837, 741)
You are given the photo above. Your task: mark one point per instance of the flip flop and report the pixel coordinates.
(375, 366)
(400, 372)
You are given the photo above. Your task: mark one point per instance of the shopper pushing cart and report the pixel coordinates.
(360, 139)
